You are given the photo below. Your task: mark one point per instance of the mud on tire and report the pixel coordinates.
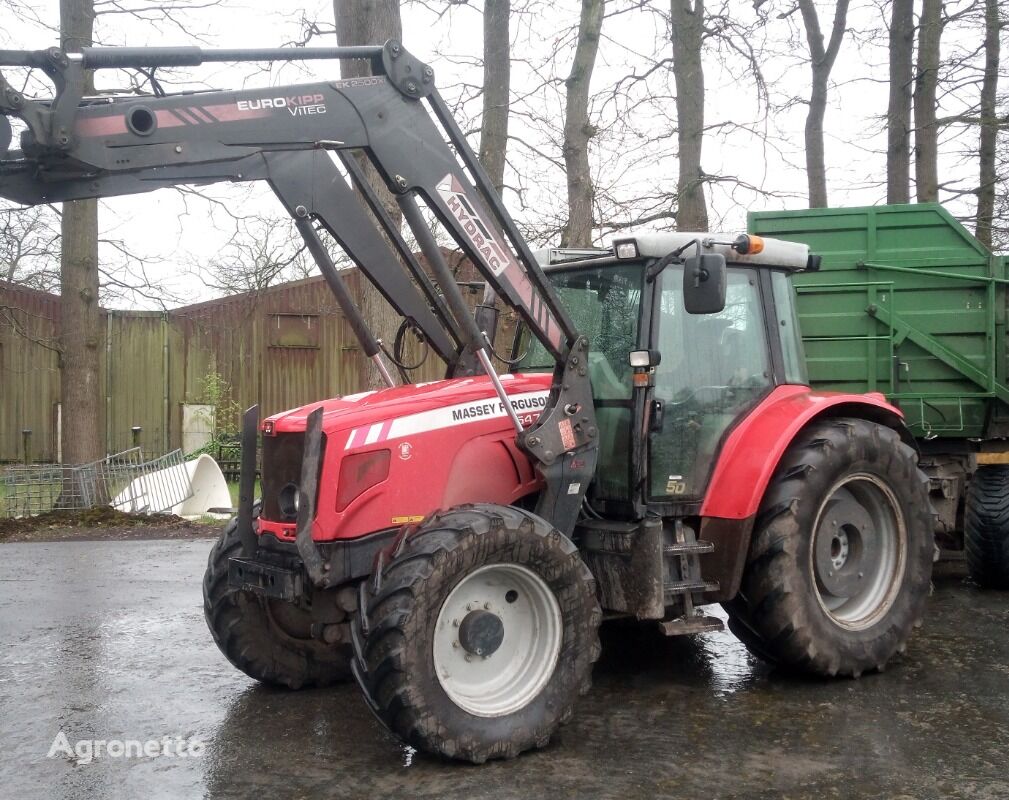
(396, 636)
(266, 639)
(843, 489)
(986, 527)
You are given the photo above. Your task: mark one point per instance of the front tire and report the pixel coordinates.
(478, 634)
(268, 640)
(841, 556)
(986, 527)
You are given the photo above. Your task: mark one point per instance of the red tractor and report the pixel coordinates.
(455, 546)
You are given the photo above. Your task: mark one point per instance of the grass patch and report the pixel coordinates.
(233, 489)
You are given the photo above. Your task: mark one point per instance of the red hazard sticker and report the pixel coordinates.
(567, 434)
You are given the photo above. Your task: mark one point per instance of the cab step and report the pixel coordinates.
(690, 587)
(697, 623)
(689, 548)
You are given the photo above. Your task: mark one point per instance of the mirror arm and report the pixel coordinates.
(670, 258)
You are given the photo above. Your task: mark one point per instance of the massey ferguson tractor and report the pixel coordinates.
(653, 445)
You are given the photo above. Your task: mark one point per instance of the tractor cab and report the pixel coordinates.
(683, 379)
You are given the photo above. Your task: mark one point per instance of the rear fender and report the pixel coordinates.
(753, 449)
(747, 462)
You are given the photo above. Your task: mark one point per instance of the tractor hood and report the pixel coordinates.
(459, 398)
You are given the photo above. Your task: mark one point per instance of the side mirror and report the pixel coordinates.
(704, 283)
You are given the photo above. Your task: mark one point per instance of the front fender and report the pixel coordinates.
(755, 446)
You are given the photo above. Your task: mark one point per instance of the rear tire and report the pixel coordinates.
(986, 527)
(841, 555)
(268, 640)
(477, 579)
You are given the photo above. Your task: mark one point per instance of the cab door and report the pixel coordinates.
(713, 369)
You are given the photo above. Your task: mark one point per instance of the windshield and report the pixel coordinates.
(604, 304)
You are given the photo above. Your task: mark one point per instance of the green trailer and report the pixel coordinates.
(908, 303)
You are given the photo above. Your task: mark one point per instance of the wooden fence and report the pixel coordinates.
(281, 348)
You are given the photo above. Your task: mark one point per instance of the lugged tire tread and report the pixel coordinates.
(241, 629)
(381, 665)
(986, 527)
(770, 615)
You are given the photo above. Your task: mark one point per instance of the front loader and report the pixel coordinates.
(653, 447)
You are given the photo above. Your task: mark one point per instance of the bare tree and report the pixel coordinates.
(496, 86)
(578, 129)
(822, 60)
(360, 22)
(926, 131)
(987, 168)
(898, 113)
(80, 315)
(371, 22)
(688, 71)
(263, 251)
(30, 247)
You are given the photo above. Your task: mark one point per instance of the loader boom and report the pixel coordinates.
(76, 148)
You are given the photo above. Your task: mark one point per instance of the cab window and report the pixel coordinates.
(714, 367)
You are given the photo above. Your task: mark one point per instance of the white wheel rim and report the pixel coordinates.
(510, 677)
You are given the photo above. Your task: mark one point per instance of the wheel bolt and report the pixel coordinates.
(455, 623)
(486, 606)
(455, 644)
(830, 573)
(860, 575)
(469, 657)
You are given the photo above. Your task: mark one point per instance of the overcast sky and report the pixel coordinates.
(177, 235)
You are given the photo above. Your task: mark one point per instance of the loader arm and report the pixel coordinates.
(76, 148)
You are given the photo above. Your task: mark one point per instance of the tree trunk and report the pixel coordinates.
(989, 127)
(688, 72)
(821, 62)
(80, 333)
(578, 131)
(898, 114)
(496, 82)
(926, 134)
(816, 167)
(361, 22)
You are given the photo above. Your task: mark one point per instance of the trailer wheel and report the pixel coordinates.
(840, 560)
(478, 634)
(268, 640)
(986, 527)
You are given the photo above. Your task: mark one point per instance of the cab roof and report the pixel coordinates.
(776, 253)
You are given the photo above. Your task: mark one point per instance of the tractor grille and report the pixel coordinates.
(282, 456)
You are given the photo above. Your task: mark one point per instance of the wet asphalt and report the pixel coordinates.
(106, 640)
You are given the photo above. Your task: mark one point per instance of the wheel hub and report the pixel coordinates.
(481, 633)
(859, 546)
(846, 541)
